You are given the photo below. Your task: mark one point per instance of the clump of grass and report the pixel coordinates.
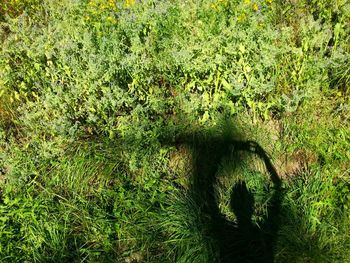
(314, 220)
(80, 208)
(185, 228)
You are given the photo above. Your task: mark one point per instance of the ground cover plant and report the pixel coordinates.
(174, 131)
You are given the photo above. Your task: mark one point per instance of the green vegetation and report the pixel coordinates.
(174, 131)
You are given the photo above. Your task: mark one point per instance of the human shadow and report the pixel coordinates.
(244, 241)
(240, 240)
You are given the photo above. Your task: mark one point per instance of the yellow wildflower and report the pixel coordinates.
(129, 3)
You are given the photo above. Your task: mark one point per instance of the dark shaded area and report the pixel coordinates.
(240, 241)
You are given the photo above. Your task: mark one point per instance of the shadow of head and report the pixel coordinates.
(242, 204)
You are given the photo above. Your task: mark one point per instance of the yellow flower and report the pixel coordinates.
(242, 17)
(129, 3)
(255, 7)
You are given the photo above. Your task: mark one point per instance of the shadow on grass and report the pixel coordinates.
(241, 240)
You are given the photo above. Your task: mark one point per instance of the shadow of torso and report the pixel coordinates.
(244, 242)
